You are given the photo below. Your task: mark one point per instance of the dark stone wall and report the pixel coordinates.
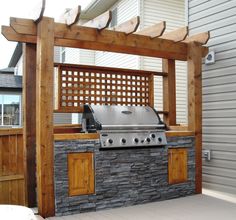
(123, 177)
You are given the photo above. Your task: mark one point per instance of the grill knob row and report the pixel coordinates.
(136, 140)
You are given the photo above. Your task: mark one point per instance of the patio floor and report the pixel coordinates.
(188, 208)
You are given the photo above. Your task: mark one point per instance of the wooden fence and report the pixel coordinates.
(12, 182)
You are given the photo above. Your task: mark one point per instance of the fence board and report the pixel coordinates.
(12, 183)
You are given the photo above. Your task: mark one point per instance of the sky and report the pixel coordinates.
(22, 8)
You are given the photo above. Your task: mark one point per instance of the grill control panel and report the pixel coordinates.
(116, 139)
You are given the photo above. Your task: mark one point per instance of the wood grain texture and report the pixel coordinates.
(177, 165)
(153, 31)
(10, 131)
(129, 26)
(177, 35)
(76, 136)
(195, 105)
(90, 38)
(29, 127)
(179, 133)
(81, 85)
(12, 183)
(101, 22)
(201, 38)
(81, 173)
(169, 92)
(44, 117)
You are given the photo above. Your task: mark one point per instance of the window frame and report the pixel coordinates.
(20, 108)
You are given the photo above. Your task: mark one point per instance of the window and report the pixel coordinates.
(10, 110)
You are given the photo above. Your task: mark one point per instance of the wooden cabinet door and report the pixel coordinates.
(81, 173)
(177, 165)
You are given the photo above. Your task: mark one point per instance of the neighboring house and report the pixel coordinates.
(150, 12)
(10, 98)
(219, 90)
(11, 92)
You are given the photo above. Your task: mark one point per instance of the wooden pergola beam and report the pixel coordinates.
(201, 38)
(153, 31)
(44, 117)
(101, 22)
(107, 40)
(177, 35)
(72, 16)
(129, 26)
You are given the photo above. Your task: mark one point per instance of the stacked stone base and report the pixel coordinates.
(123, 177)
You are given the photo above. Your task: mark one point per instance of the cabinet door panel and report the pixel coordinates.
(177, 165)
(80, 173)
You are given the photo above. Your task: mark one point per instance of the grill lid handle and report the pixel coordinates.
(126, 112)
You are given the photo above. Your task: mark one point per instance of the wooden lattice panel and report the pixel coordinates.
(82, 85)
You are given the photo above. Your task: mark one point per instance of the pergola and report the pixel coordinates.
(43, 33)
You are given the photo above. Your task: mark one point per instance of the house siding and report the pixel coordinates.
(126, 9)
(173, 12)
(219, 91)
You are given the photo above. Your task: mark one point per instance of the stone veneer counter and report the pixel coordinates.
(123, 177)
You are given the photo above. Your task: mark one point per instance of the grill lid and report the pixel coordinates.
(122, 117)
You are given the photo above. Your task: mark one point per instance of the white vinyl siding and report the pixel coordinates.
(126, 9)
(219, 91)
(173, 12)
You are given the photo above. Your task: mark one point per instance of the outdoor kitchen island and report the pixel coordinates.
(88, 178)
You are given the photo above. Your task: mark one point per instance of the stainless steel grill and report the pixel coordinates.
(125, 126)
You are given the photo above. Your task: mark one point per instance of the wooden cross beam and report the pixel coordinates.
(129, 26)
(153, 31)
(24, 30)
(201, 38)
(177, 35)
(72, 16)
(101, 22)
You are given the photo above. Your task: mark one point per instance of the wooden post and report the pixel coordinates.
(195, 105)
(169, 92)
(44, 117)
(29, 128)
(151, 91)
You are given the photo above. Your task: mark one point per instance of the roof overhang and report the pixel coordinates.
(95, 8)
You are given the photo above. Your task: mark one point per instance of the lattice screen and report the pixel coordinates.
(80, 85)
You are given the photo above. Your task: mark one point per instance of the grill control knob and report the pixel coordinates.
(136, 140)
(123, 140)
(110, 141)
(153, 136)
(160, 139)
(148, 140)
